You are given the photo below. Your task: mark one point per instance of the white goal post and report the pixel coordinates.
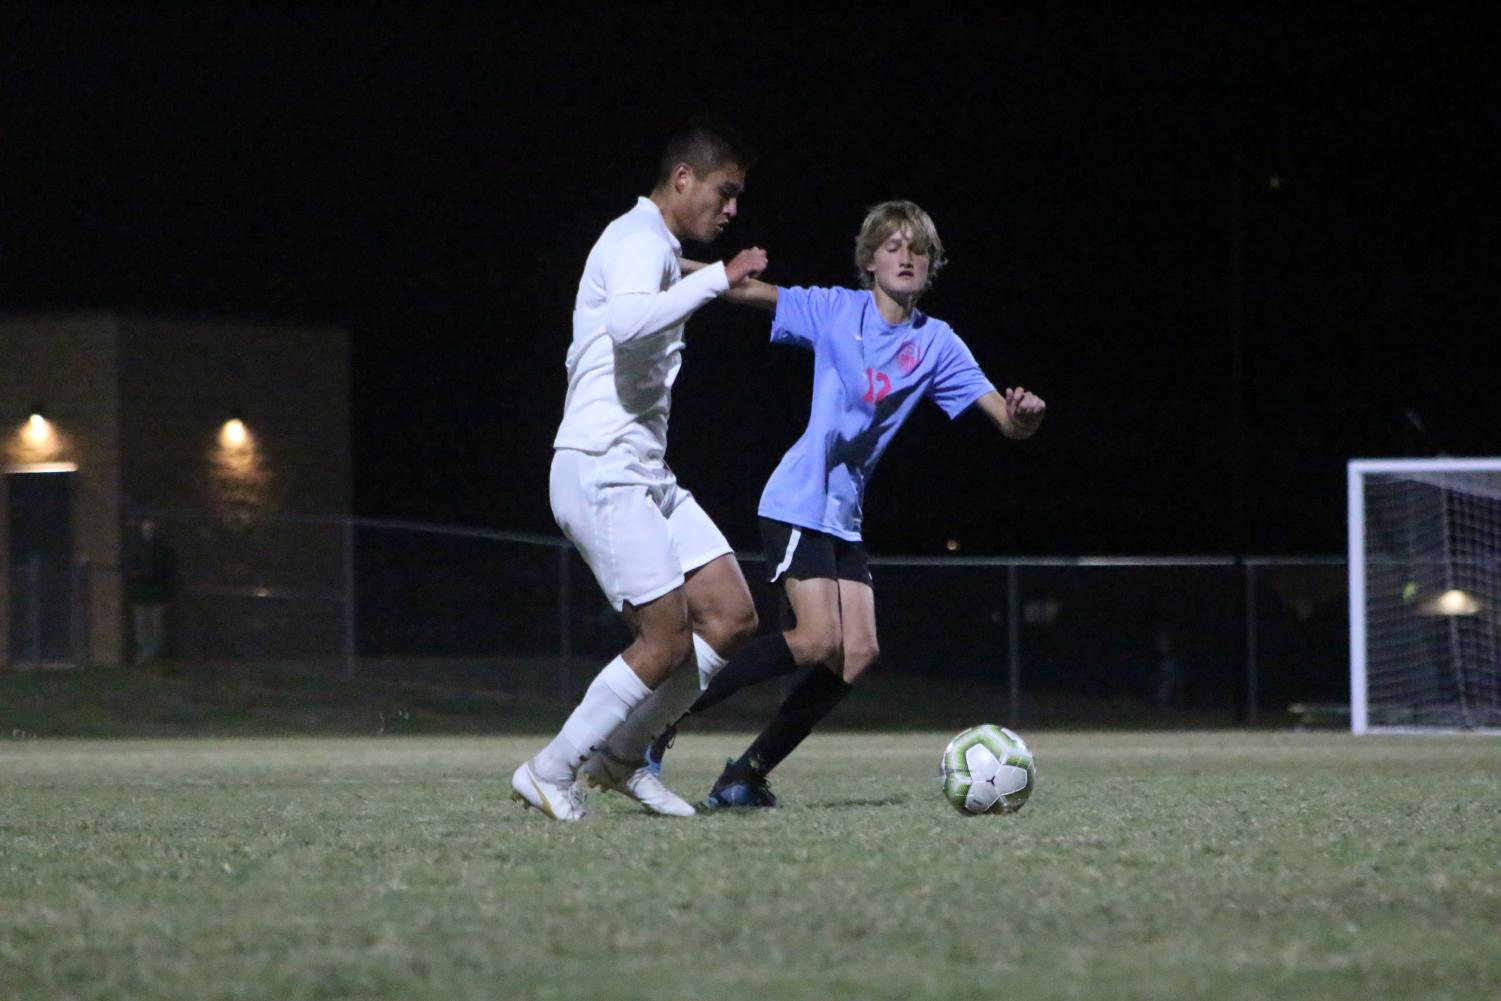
(1425, 595)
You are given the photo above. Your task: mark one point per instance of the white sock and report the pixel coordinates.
(607, 703)
(710, 663)
(666, 704)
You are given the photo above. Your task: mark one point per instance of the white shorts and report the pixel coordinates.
(636, 528)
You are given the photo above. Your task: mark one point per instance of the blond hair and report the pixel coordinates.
(890, 217)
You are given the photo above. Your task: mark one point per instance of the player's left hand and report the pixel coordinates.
(1025, 409)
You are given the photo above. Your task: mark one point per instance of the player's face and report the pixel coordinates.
(711, 201)
(898, 269)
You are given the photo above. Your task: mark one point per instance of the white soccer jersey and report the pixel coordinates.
(628, 335)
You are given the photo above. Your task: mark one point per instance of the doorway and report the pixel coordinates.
(44, 592)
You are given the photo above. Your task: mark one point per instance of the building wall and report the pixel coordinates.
(180, 382)
(66, 367)
(257, 524)
(141, 406)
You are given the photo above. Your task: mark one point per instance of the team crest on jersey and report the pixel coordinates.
(909, 357)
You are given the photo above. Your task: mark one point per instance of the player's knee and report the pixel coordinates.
(743, 625)
(859, 658)
(727, 628)
(818, 646)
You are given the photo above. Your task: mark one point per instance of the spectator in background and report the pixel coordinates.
(151, 584)
(1168, 674)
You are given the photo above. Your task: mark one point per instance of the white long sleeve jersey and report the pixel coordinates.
(628, 335)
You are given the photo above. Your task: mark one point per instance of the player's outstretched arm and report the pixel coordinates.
(739, 269)
(1018, 414)
(754, 292)
(636, 304)
(750, 292)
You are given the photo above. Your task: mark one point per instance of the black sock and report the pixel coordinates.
(813, 698)
(762, 659)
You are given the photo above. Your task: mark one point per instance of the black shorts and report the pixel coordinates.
(804, 553)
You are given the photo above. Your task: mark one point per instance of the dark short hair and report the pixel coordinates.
(704, 144)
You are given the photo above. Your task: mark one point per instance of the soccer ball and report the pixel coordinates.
(988, 769)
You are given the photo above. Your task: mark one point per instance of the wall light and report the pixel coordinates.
(38, 431)
(1452, 602)
(238, 477)
(234, 433)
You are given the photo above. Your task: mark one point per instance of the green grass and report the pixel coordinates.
(1206, 865)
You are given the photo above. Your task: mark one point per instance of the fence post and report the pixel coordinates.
(351, 649)
(1252, 669)
(1014, 642)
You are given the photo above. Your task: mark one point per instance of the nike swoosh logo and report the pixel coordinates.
(546, 807)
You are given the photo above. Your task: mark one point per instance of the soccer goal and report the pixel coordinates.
(1425, 594)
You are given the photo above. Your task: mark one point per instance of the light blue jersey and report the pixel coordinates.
(867, 377)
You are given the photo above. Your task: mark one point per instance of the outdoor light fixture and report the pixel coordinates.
(238, 476)
(38, 430)
(1451, 602)
(234, 434)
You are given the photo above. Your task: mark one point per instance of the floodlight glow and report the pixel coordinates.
(38, 431)
(1452, 602)
(234, 434)
(237, 470)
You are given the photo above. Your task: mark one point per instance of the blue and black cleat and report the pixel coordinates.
(738, 788)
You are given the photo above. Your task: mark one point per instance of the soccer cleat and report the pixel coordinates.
(558, 800)
(737, 787)
(657, 750)
(642, 785)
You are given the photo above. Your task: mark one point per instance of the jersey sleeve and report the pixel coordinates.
(957, 379)
(636, 305)
(803, 315)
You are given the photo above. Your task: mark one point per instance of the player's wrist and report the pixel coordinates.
(1025, 427)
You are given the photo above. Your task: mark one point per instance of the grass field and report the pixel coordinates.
(1171, 865)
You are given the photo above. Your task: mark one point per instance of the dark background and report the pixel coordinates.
(433, 180)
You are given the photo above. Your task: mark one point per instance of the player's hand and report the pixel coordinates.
(749, 263)
(1025, 409)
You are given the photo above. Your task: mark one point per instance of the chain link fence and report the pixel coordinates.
(1229, 639)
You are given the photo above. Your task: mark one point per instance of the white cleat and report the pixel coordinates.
(642, 785)
(558, 800)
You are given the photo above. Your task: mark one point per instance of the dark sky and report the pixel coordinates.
(433, 181)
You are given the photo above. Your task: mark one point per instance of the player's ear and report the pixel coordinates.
(680, 175)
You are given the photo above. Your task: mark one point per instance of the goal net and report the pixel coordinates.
(1425, 594)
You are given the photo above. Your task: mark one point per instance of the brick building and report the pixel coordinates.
(233, 437)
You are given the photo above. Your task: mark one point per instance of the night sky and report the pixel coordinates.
(432, 182)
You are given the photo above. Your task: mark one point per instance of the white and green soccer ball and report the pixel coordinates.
(988, 769)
